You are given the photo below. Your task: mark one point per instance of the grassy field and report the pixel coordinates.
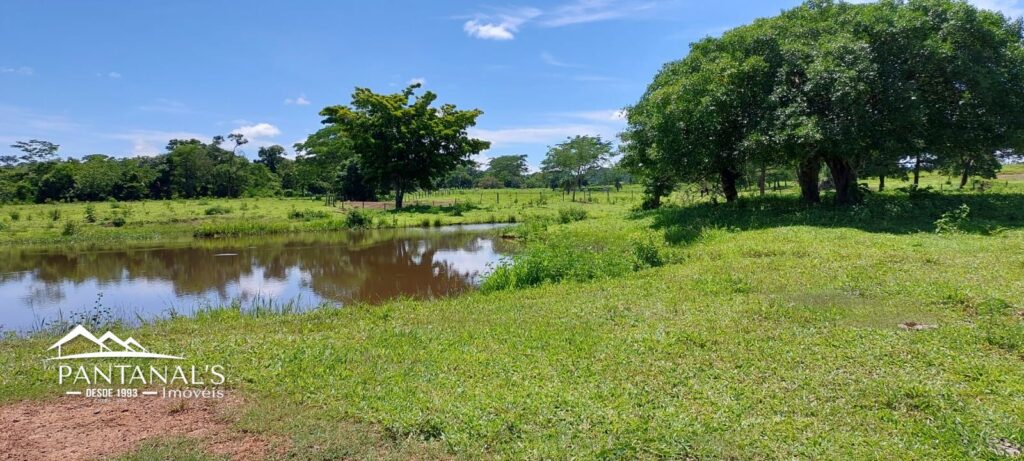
(170, 220)
(760, 330)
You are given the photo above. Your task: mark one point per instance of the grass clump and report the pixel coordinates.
(217, 210)
(308, 215)
(571, 214)
(358, 219)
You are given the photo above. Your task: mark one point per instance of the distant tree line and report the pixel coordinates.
(885, 89)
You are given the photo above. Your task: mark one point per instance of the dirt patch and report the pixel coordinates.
(1011, 177)
(344, 206)
(77, 428)
(1004, 447)
(914, 326)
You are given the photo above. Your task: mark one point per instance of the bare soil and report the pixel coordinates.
(78, 428)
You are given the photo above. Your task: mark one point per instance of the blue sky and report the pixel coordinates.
(123, 77)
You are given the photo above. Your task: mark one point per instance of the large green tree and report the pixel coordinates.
(576, 157)
(402, 141)
(508, 169)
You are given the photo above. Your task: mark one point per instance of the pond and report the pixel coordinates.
(40, 286)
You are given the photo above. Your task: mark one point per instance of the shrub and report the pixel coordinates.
(217, 210)
(645, 254)
(54, 214)
(555, 262)
(358, 219)
(308, 215)
(953, 221)
(15, 215)
(90, 214)
(70, 228)
(118, 221)
(571, 214)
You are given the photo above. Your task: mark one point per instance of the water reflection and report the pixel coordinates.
(38, 284)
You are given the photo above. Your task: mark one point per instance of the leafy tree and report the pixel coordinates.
(96, 177)
(36, 150)
(508, 170)
(271, 157)
(576, 157)
(403, 142)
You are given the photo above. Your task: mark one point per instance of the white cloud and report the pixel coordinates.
(551, 60)
(114, 75)
(608, 115)
(153, 142)
(1012, 8)
(477, 29)
(549, 134)
(257, 131)
(584, 11)
(23, 70)
(505, 24)
(500, 26)
(299, 101)
(420, 80)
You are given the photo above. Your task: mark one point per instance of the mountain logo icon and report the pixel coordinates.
(110, 346)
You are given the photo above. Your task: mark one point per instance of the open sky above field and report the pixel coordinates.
(122, 78)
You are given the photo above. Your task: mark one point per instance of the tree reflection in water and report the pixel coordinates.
(368, 266)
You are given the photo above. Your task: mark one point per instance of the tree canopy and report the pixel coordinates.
(860, 88)
(400, 141)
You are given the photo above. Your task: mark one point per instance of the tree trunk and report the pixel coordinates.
(917, 170)
(729, 178)
(881, 182)
(967, 174)
(845, 179)
(807, 174)
(761, 179)
(399, 198)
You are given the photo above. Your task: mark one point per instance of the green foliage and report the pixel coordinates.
(217, 210)
(54, 214)
(576, 157)
(953, 221)
(861, 88)
(70, 229)
(118, 221)
(403, 143)
(571, 214)
(308, 215)
(356, 219)
(506, 171)
(90, 214)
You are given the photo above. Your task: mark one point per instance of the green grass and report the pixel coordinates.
(769, 331)
(176, 220)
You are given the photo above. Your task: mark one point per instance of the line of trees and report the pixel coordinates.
(878, 90)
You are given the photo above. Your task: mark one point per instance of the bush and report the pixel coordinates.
(358, 219)
(118, 221)
(54, 214)
(645, 254)
(15, 215)
(308, 215)
(555, 262)
(70, 228)
(217, 210)
(571, 214)
(953, 221)
(90, 214)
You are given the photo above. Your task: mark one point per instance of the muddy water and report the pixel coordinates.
(39, 286)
